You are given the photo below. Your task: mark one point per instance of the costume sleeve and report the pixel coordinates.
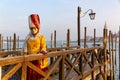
(43, 43)
(24, 48)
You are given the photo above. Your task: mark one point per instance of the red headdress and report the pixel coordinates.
(34, 21)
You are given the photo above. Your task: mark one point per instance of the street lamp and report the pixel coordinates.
(92, 17)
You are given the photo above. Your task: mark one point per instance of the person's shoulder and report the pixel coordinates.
(41, 35)
(28, 35)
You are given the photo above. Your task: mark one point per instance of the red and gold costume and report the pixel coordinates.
(35, 43)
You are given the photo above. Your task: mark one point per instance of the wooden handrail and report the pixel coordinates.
(67, 61)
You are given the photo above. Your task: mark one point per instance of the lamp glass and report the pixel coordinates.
(92, 16)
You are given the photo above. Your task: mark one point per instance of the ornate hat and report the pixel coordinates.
(34, 21)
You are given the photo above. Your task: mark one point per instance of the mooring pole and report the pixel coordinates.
(85, 29)
(105, 55)
(51, 40)
(68, 38)
(55, 39)
(14, 42)
(94, 37)
(7, 44)
(18, 43)
(112, 56)
(115, 48)
(10, 43)
(78, 19)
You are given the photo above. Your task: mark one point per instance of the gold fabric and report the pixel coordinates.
(34, 46)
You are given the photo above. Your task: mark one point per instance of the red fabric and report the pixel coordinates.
(36, 20)
(32, 75)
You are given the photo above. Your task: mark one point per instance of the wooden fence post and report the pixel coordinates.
(0, 72)
(61, 67)
(52, 59)
(24, 70)
(105, 55)
(93, 63)
(81, 65)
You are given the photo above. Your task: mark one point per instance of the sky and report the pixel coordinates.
(58, 15)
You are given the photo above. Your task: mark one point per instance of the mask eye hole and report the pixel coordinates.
(32, 28)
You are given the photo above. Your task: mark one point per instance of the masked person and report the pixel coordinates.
(35, 43)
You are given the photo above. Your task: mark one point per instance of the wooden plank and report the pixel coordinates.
(60, 48)
(70, 64)
(11, 72)
(61, 68)
(0, 72)
(89, 77)
(9, 52)
(38, 70)
(24, 71)
(53, 67)
(27, 58)
(11, 60)
(74, 63)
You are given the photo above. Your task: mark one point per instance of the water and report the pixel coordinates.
(89, 44)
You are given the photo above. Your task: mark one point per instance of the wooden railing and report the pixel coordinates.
(67, 63)
(82, 62)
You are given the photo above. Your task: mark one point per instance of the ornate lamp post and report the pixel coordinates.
(92, 17)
